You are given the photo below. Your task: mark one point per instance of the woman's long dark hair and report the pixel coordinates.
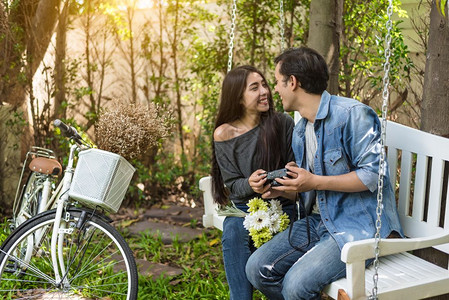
(269, 149)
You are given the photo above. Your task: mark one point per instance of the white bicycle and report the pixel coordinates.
(72, 250)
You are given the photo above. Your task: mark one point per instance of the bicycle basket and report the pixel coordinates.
(101, 178)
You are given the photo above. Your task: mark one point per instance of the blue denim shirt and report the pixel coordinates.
(348, 138)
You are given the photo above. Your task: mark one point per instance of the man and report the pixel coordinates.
(337, 151)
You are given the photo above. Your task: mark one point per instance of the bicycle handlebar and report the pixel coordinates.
(67, 130)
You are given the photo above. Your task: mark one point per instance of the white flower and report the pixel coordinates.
(257, 220)
(275, 223)
(275, 206)
(248, 221)
(275, 212)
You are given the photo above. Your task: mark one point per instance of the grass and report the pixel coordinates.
(201, 259)
(203, 275)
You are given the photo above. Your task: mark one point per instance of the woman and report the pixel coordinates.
(250, 138)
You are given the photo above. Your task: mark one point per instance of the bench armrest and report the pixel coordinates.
(364, 249)
(354, 254)
(210, 218)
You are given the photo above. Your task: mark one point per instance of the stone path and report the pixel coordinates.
(168, 222)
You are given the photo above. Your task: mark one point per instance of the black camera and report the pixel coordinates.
(276, 174)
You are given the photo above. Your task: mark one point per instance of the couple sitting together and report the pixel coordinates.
(332, 156)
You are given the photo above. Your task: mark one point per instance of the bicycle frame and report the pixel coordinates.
(56, 247)
(62, 196)
(58, 233)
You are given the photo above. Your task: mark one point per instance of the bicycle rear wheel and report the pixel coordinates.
(98, 262)
(30, 199)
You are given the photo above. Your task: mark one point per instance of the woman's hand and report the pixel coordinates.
(272, 193)
(257, 181)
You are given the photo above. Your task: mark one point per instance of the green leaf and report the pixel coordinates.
(231, 211)
(443, 7)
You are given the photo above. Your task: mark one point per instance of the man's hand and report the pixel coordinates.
(303, 181)
(300, 180)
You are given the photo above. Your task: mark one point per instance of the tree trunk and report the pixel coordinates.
(324, 35)
(289, 27)
(37, 20)
(42, 28)
(132, 54)
(26, 31)
(59, 110)
(435, 104)
(254, 34)
(177, 79)
(11, 136)
(160, 77)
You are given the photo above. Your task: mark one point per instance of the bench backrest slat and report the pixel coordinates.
(436, 186)
(420, 187)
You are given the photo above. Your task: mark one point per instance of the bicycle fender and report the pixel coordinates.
(47, 212)
(90, 212)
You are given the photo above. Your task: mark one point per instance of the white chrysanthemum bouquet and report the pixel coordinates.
(264, 220)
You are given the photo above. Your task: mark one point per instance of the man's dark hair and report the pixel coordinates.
(307, 65)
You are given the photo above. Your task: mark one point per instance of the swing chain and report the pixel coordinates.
(281, 24)
(231, 35)
(382, 167)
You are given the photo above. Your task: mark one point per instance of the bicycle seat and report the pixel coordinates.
(45, 166)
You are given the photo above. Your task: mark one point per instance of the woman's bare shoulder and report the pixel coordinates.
(225, 132)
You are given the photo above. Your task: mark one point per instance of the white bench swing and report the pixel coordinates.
(417, 163)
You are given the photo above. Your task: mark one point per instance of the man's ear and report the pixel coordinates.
(293, 82)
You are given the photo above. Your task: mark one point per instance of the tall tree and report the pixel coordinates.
(154, 52)
(128, 34)
(59, 110)
(257, 33)
(324, 35)
(184, 17)
(296, 24)
(97, 29)
(26, 29)
(174, 39)
(435, 104)
(362, 52)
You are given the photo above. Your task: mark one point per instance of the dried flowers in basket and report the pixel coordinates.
(263, 221)
(130, 130)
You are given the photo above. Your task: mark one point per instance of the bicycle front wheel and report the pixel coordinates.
(97, 261)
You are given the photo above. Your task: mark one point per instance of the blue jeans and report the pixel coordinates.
(237, 248)
(282, 272)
